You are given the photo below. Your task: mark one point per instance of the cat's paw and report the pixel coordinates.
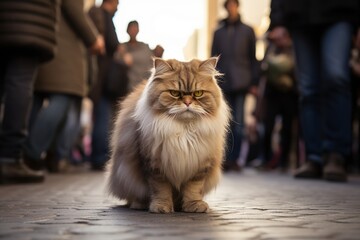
(161, 208)
(195, 207)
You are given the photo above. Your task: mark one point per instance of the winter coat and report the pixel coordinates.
(237, 59)
(313, 13)
(28, 27)
(67, 72)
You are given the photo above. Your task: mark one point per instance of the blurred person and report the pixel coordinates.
(279, 100)
(140, 54)
(22, 51)
(234, 42)
(103, 103)
(61, 82)
(322, 35)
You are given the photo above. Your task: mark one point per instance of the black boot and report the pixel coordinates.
(15, 171)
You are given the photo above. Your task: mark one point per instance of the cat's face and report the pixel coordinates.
(184, 90)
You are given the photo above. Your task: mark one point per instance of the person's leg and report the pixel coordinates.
(307, 53)
(288, 110)
(336, 47)
(102, 116)
(269, 122)
(38, 101)
(45, 128)
(236, 102)
(70, 131)
(17, 77)
(239, 124)
(308, 74)
(18, 87)
(66, 137)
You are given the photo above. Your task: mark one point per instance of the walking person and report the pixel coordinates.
(279, 99)
(61, 82)
(141, 56)
(103, 96)
(21, 53)
(234, 42)
(322, 34)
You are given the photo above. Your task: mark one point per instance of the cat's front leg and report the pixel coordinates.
(193, 193)
(161, 195)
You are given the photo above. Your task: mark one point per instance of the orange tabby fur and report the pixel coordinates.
(168, 139)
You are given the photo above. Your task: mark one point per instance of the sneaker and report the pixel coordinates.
(334, 169)
(16, 171)
(309, 170)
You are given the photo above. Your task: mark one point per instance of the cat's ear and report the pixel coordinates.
(209, 64)
(161, 66)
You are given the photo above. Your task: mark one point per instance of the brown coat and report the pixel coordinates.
(67, 72)
(28, 27)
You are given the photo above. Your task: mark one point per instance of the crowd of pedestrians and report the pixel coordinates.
(54, 58)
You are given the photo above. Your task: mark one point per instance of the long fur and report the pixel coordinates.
(155, 146)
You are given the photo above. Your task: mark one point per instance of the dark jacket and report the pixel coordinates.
(313, 13)
(66, 73)
(28, 27)
(104, 24)
(235, 43)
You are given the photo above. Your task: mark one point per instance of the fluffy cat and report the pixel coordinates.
(169, 138)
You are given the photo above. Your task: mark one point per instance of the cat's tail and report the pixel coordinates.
(125, 179)
(125, 182)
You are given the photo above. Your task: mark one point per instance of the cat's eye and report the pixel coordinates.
(174, 93)
(198, 93)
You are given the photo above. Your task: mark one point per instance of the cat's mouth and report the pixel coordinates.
(185, 112)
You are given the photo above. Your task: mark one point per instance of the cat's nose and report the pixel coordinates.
(187, 100)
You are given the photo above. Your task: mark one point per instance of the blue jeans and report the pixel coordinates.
(234, 138)
(324, 85)
(17, 75)
(46, 122)
(102, 121)
(70, 132)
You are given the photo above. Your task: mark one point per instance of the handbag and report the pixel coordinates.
(116, 80)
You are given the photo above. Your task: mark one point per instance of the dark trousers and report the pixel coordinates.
(103, 113)
(325, 89)
(47, 122)
(282, 105)
(236, 102)
(17, 74)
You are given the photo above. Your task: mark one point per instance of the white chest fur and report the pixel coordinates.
(182, 148)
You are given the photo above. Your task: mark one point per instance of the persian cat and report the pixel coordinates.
(168, 140)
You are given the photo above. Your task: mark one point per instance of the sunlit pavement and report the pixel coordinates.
(247, 205)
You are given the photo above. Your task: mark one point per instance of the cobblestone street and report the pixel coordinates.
(249, 205)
